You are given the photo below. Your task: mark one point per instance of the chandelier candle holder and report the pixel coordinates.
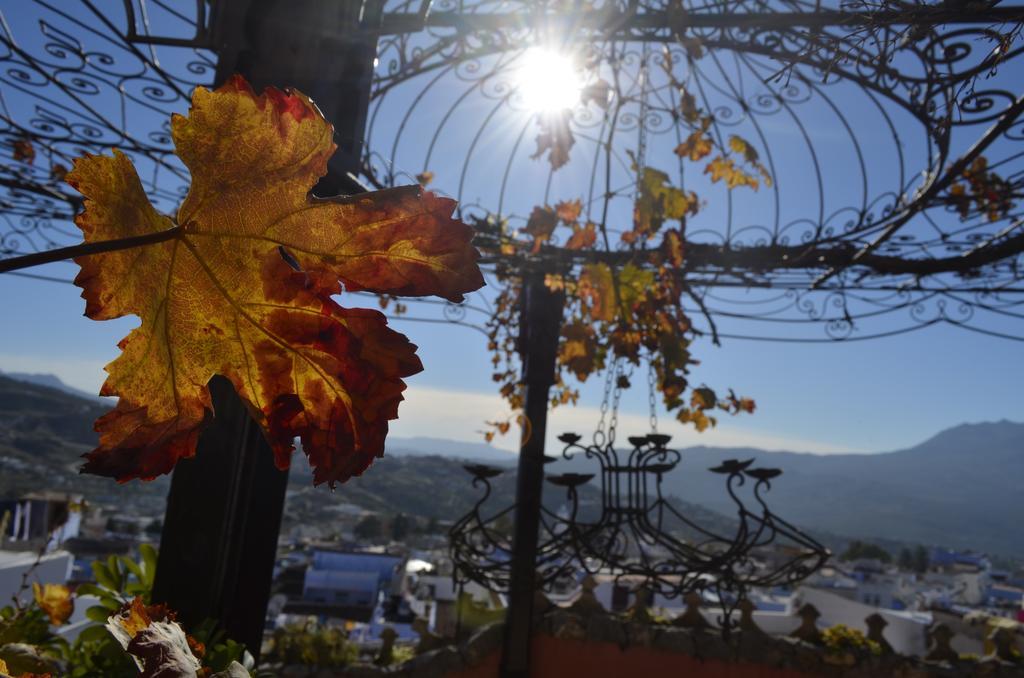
(638, 536)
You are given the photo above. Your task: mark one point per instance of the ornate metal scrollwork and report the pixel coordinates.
(802, 90)
(88, 76)
(74, 79)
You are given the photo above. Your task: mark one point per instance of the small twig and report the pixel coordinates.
(84, 249)
(707, 314)
(35, 566)
(16, 596)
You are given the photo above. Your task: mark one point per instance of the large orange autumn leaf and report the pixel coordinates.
(220, 297)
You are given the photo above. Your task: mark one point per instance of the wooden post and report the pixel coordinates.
(539, 326)
(219, 541)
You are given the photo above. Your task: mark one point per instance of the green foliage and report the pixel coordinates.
(28, 643)
(312, 645)
(401, 654)
(906, 559)
(859, 549)
(118, 580)
(842, 638)
(369, 527)
(220, 650)
(96, 653)
(921, 559)
(914, 561)
(660, 616)
(29, 625)
(400, 527)
(474, 615)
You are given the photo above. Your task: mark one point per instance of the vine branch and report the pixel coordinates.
(767, 258)
(85, 249)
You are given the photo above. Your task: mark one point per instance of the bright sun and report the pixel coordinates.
(548, 80)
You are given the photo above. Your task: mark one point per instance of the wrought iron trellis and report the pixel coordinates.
(890, 255)
(74, 80)
(892, 258)
(638, 537)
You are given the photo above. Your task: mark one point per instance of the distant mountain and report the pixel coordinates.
(51, 381)
(449, 448)
(961, 488)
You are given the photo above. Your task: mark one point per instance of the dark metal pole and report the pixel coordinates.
(539, 327)
(219, 541)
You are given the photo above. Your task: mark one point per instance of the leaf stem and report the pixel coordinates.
(86, 248)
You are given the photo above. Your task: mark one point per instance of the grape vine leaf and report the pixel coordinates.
(541, 225)
(555, 138)
(55, 600)
(579, 350)
(582, 236)
(657, 202)
(695, 147)
(244, 289)
(991, 194)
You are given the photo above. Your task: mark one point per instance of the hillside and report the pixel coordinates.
(53, 382)
(44, 430)
(43, 433)
(450, 448)
(961, 488)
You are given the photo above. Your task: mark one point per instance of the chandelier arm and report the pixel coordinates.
(683, 552)
(554, 541)
(712, 537)
(764, 533)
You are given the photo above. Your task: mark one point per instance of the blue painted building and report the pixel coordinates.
(346, 584)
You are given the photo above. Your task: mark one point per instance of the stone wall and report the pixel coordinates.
(584, 640)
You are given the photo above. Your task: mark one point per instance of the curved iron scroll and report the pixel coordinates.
(865, 120)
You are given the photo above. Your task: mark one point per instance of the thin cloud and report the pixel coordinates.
(460, 415)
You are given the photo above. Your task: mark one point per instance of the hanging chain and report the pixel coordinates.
(616, 395)
(652, 401)
(600, 434)
(606, 425)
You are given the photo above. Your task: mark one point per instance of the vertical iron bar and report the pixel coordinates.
(219, 541)
(539, 327)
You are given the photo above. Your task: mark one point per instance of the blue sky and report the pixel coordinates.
(862, 396)
(869, 396)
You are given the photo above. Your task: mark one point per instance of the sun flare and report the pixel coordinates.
(548, 80)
